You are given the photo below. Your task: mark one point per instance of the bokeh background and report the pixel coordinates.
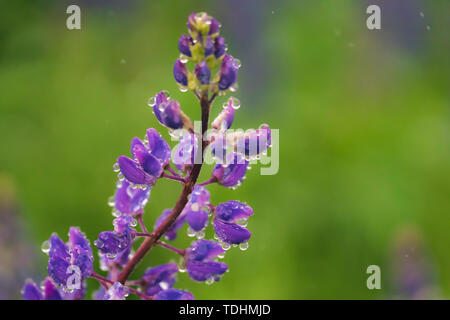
(364, 138)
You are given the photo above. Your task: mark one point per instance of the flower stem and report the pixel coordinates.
(150, 242)
(168, 176)
(104, 280)
(205, 183)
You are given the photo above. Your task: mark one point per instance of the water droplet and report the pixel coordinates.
(111, 201)
(221, 256)
(167, 94)
(225, 246)
(183, 89)
(45, 247)
(243, 246)
(190, 232)
(209, 281)
(151, 102)
(237, 63)
(133, 223)
(200, 234)
(116, 167)
(164, 285)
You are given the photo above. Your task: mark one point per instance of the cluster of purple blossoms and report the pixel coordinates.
(151, 159)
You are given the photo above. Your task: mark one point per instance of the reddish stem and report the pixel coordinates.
(168, 176)
(104, 280)
(150, 242)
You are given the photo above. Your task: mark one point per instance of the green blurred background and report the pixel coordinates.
(364, 138)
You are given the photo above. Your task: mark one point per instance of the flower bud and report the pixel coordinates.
(209, 46)
(203, 73)
(168, 112)
(228, 73)
(180, 73)
(219, 47)
(225, 118)
(183, 45)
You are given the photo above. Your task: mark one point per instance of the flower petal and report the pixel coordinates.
(51, 292)
(197, 219)
(76, 237)
(116, 292)
(159, 278)
(204, 270)
(233, 210)
(58, 248)
(158, 146)
(133, 173)
(31, 291)
(174, 294)
(57, 269)
(202, 250)
(231, 233)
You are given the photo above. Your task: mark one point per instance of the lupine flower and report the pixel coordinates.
(203, 73)
(159, 278)
(255, 141)
(209, 46)
(225, 118)
(147, 163)
(184, 45)
(168, 112)
(171, 234)
(200, 265)
(174, 294)
(129, 200)
(49, 292)
(116, 292)
(138, 173)
(180, 73)
(228, 72)
(219, 47)
(196, 216)
(115, 242)
(77, 252)
(185, 152)
(226, 218)
(232, 172)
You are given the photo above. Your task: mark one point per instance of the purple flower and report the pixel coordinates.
(196, 216)
(171, 233)
(185, 152)
(200, 265)
(115, 242)
(227, 216)
(183, 45)
(159, 278)
(209, 46)
(232, 172)
(116, 292)
(214, 26)
(129, 200)
(219, 47)
(65, 258)
(168, 112)
(203, 73)
(50, 291)
(256, 141)
(225, 118)
(174, 294)
(228, 72)
(180, 73)
(107, 260)
(147, 163)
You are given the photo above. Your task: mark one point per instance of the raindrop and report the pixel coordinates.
(111, 201)
(116, 167)
(237, 63)
(209, 281)
(183, 59)
(151, 102)
(200, 234)
(190, 232)
(225, 246)
(243, 246)
(235, 103)
(133, 223)
(183, 89)
(166, 93)
(45, 247)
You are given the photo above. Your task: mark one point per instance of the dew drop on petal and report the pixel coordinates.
(151, 102)
(116, 167)
(190, 232)
(45, 247)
